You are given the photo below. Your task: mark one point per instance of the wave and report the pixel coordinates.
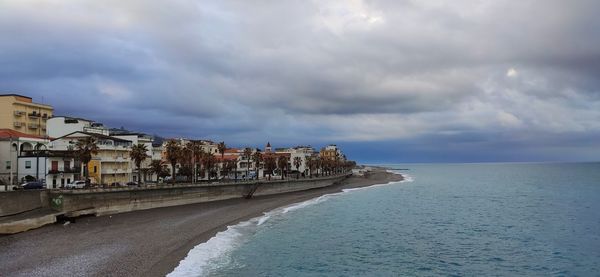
(210, 255)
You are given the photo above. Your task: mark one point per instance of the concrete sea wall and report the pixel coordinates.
(108, 201)
(16, 202)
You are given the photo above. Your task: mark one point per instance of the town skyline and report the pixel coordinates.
(388, 81)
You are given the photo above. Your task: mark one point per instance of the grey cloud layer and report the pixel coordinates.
(312, 70)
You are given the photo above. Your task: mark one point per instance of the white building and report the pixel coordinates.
(139, 138)
(302, 152)
(112, 163)
(56, 168)
(59, 126)
(13, 144)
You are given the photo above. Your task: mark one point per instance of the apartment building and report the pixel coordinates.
(112, 163)
(20, 113)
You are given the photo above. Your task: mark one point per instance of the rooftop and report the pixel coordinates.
(8, 133)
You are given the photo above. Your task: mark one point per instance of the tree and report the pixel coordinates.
(222, 147)
(270, 164)
(172, 150)
(138, 155)
(282, 164)
(158, 167)
(84, 150)
(297, 163)
(209, 164)
(257, 158)
(310, 164)
(197, 153)
(228, 166)
(247, 155)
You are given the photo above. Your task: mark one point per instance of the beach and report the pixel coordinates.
(143, 243)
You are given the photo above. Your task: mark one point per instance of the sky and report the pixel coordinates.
(387, 80)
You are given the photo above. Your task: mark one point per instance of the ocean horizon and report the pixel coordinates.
(501, 219)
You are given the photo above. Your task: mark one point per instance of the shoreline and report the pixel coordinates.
(148, 242)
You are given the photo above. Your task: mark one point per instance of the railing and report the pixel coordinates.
(19, 113)
(34, 114)
(18, 124)
(33, 126)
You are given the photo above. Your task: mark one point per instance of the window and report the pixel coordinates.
(54, 165)
(7, 164)
(67, 165)
(95, 169)
(27, 164)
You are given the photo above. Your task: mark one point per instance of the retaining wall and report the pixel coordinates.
(16, 202)
(107, 201)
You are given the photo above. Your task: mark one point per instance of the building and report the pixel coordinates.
(59, 126)
(56, 168)
(139, 138)
(20, 113)
(302, 152)
(112, 163)
(332, 152)
(12, 145)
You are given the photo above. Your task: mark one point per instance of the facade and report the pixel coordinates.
(20, 113)
(59, 126)
(55, 168)
(12, 145)
(302, 152)
(112, 163)
(332, 152)
(139, 138)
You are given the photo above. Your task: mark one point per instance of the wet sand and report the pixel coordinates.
(142, 243)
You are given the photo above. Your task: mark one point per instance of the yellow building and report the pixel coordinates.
(19, 113)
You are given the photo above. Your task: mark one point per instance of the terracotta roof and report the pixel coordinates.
(8, 133)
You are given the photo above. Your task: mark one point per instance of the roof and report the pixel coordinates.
(14, 94)
(95, 135)
(8, 133)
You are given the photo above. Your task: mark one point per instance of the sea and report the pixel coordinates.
(490, 219)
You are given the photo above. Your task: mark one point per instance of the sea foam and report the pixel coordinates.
(209, 256)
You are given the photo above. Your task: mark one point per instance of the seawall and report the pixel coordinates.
(17, 202)
(119, 200)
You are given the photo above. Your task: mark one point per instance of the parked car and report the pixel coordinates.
(32, 185)
(132, 184)
(75, 185)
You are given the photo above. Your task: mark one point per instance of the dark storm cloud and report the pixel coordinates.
(489, 75)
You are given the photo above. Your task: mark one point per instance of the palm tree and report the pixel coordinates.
(270, 164)
(157, 167)
(84, 150)
(138, 154)
(297, 163)
(282, 163)
(197, 154)
(257, 158)
(222, 147)
(247, 155)
(209, 164)
(172, 150)
(310, 164)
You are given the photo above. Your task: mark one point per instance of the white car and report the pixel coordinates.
(75, 185)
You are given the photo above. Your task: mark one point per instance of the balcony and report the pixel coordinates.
(65, 170)
(20, 113)
(115, 171)
(18, 124)
(33, 125)
(34, 115)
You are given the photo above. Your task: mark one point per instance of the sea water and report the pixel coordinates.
(444, 219)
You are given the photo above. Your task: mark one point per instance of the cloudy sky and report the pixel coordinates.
(389, 80)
